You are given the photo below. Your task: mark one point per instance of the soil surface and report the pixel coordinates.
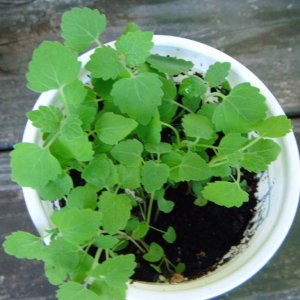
(204, 234)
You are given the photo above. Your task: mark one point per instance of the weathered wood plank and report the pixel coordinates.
(25, 279)
(262, 35)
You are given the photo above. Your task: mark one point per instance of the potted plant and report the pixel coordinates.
(137, 148)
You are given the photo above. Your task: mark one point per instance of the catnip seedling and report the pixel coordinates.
(131, 132)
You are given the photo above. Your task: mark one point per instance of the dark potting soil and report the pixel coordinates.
(204, 234)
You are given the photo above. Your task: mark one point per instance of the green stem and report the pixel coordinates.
(174, 130)
(150, 208)
(218, 94)
(182, 106)
(251, 143)
(157, 229)
(129, 238)
(50, 139)
(97, 257)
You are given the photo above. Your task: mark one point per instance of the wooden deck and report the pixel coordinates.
(263, 35)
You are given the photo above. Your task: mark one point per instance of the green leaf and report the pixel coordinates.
(240, 110)
(71, 127)
(54, 274)
(81, 27)
(228, 194)
(47, 69)
(80, 273)
(56, 189)
(276, 126)
(154, 175)
(103, 88)
(193, 167)
(62, 254)
(200, 201)
(79, 148)
(73, 95)
(118, 206)
(75, 291)
(128, 152)
(33, 166)
(116, 271)
(131, 27)
(167, 109)
(141, 230)
(135, 46)
(47, 118)
(77, 225)
(106, 292)
(170, 235)
(24, 245)
(83, 197)
(98, 171)
(106, 241)
(169, 65)
(191, 103)
(105, 63)
(112, 128)
(193, 87)
(173, 160)
(217, 73)
(164, 205)
(180, 268)
(151, 132)
(129, 176)
(139, 96)
(198, 126)
(159, 148)
(155, 253)
(258, 157)
(231, 143)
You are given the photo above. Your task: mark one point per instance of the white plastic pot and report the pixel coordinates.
(278, 189)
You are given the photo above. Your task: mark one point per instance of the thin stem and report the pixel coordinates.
(50, 139)
(150, 208)
(174, 130)
(97, 257)
(142, 211)
(129, 238)
(251, 143)
(238, 175)
(157, 229)
(182, 106)
(218, 94)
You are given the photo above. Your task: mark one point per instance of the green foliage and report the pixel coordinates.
(105, 64)
(47, 118)
(112, 128)
(23, 245)
(169, 65)
(225, 193)
(135, 46)
(155, 253)
(81, 27)
(33, 166)
(243, 108)
(118, 206)
(154, 176)
(217, 73)
(47, 69)
(115, 144)
(139, 96)
(77, 225)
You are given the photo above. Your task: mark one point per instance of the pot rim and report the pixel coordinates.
(195, 289)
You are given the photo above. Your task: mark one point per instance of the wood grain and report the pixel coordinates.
(21, 279)
(263, 35)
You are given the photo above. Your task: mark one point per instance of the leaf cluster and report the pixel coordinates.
(131, 132)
